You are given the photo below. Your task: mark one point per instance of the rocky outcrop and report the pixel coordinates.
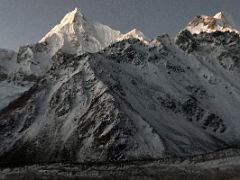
(132, 100)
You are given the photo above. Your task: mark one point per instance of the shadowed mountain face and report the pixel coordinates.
(132, 99)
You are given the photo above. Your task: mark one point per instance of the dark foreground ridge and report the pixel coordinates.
(202, 167)
(216, 155)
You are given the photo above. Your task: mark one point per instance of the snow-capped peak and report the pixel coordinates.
(219, 15)
(133, 34)
(73, 16)
(77, 34)
(219, 22)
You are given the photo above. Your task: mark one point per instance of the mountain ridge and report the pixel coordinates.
(133, 99)
(218, 22)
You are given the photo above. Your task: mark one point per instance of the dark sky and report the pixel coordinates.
(26, 21)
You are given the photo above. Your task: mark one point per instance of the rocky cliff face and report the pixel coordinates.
(133, 99)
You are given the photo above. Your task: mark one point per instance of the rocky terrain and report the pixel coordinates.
(88, 94)
(203, 167)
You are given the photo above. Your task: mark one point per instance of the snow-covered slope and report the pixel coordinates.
(77, 34)
(10, 87)
(129, 100)
(134, 34)
(219, 22)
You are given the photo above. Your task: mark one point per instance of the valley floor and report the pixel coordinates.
(227, 168)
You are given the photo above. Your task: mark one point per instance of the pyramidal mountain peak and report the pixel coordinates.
(72, 17)
(76, 34)
(219, 15)
(224, 19)
(98, 95)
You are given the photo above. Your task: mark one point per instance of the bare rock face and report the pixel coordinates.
(185, 41)
(102, 107)
(225, 45)
(132, 100)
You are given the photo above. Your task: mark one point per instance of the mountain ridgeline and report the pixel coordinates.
(88, 93)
